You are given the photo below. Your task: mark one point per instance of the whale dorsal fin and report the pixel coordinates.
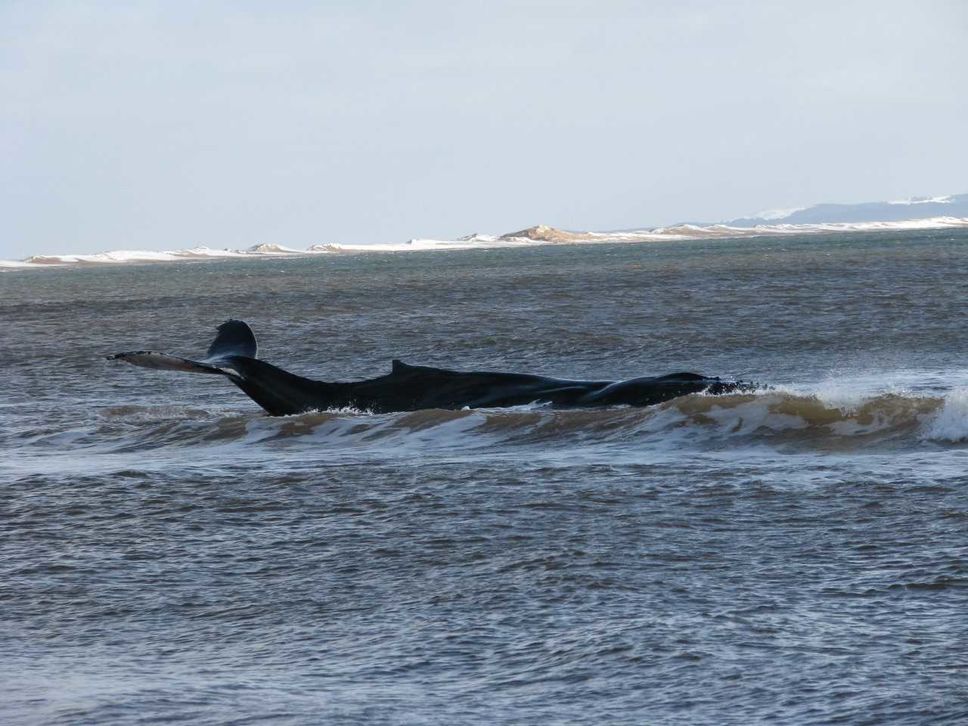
(398, 366)
(234, 338)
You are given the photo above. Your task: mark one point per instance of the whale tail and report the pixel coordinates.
(233, 354)
(234, 339)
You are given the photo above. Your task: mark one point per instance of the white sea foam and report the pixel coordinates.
(951, 422)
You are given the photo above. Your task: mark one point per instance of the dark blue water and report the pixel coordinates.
(794, 556)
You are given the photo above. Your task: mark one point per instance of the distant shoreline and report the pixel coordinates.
(536, 236)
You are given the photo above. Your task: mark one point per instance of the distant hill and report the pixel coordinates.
(909, 209)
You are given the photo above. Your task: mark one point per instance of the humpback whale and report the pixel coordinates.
(233, 354)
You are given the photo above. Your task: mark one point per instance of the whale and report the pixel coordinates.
(234, 354)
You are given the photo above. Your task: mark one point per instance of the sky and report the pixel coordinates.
(164, 125)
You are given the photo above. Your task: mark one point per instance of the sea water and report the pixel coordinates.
(794, 555)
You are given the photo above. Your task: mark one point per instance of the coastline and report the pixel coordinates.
(539, 235)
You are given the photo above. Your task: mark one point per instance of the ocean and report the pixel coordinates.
(794, 555)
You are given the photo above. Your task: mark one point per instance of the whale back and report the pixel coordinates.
(279, 392)
(409, 388)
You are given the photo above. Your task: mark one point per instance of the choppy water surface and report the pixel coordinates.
(798, 555)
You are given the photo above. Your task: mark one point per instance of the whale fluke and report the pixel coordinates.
(234, 338)
(165, 362)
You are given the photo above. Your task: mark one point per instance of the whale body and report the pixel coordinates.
(233, 354)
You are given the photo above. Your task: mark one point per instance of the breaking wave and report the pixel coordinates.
(785, 422)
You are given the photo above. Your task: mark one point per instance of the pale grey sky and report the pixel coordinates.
(150, 125)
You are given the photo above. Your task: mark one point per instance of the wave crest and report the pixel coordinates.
(785, 420)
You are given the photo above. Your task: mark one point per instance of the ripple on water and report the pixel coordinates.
(790, 556)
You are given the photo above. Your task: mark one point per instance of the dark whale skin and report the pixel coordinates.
(411, 388)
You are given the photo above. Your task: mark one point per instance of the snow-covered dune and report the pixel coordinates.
(904, 215)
